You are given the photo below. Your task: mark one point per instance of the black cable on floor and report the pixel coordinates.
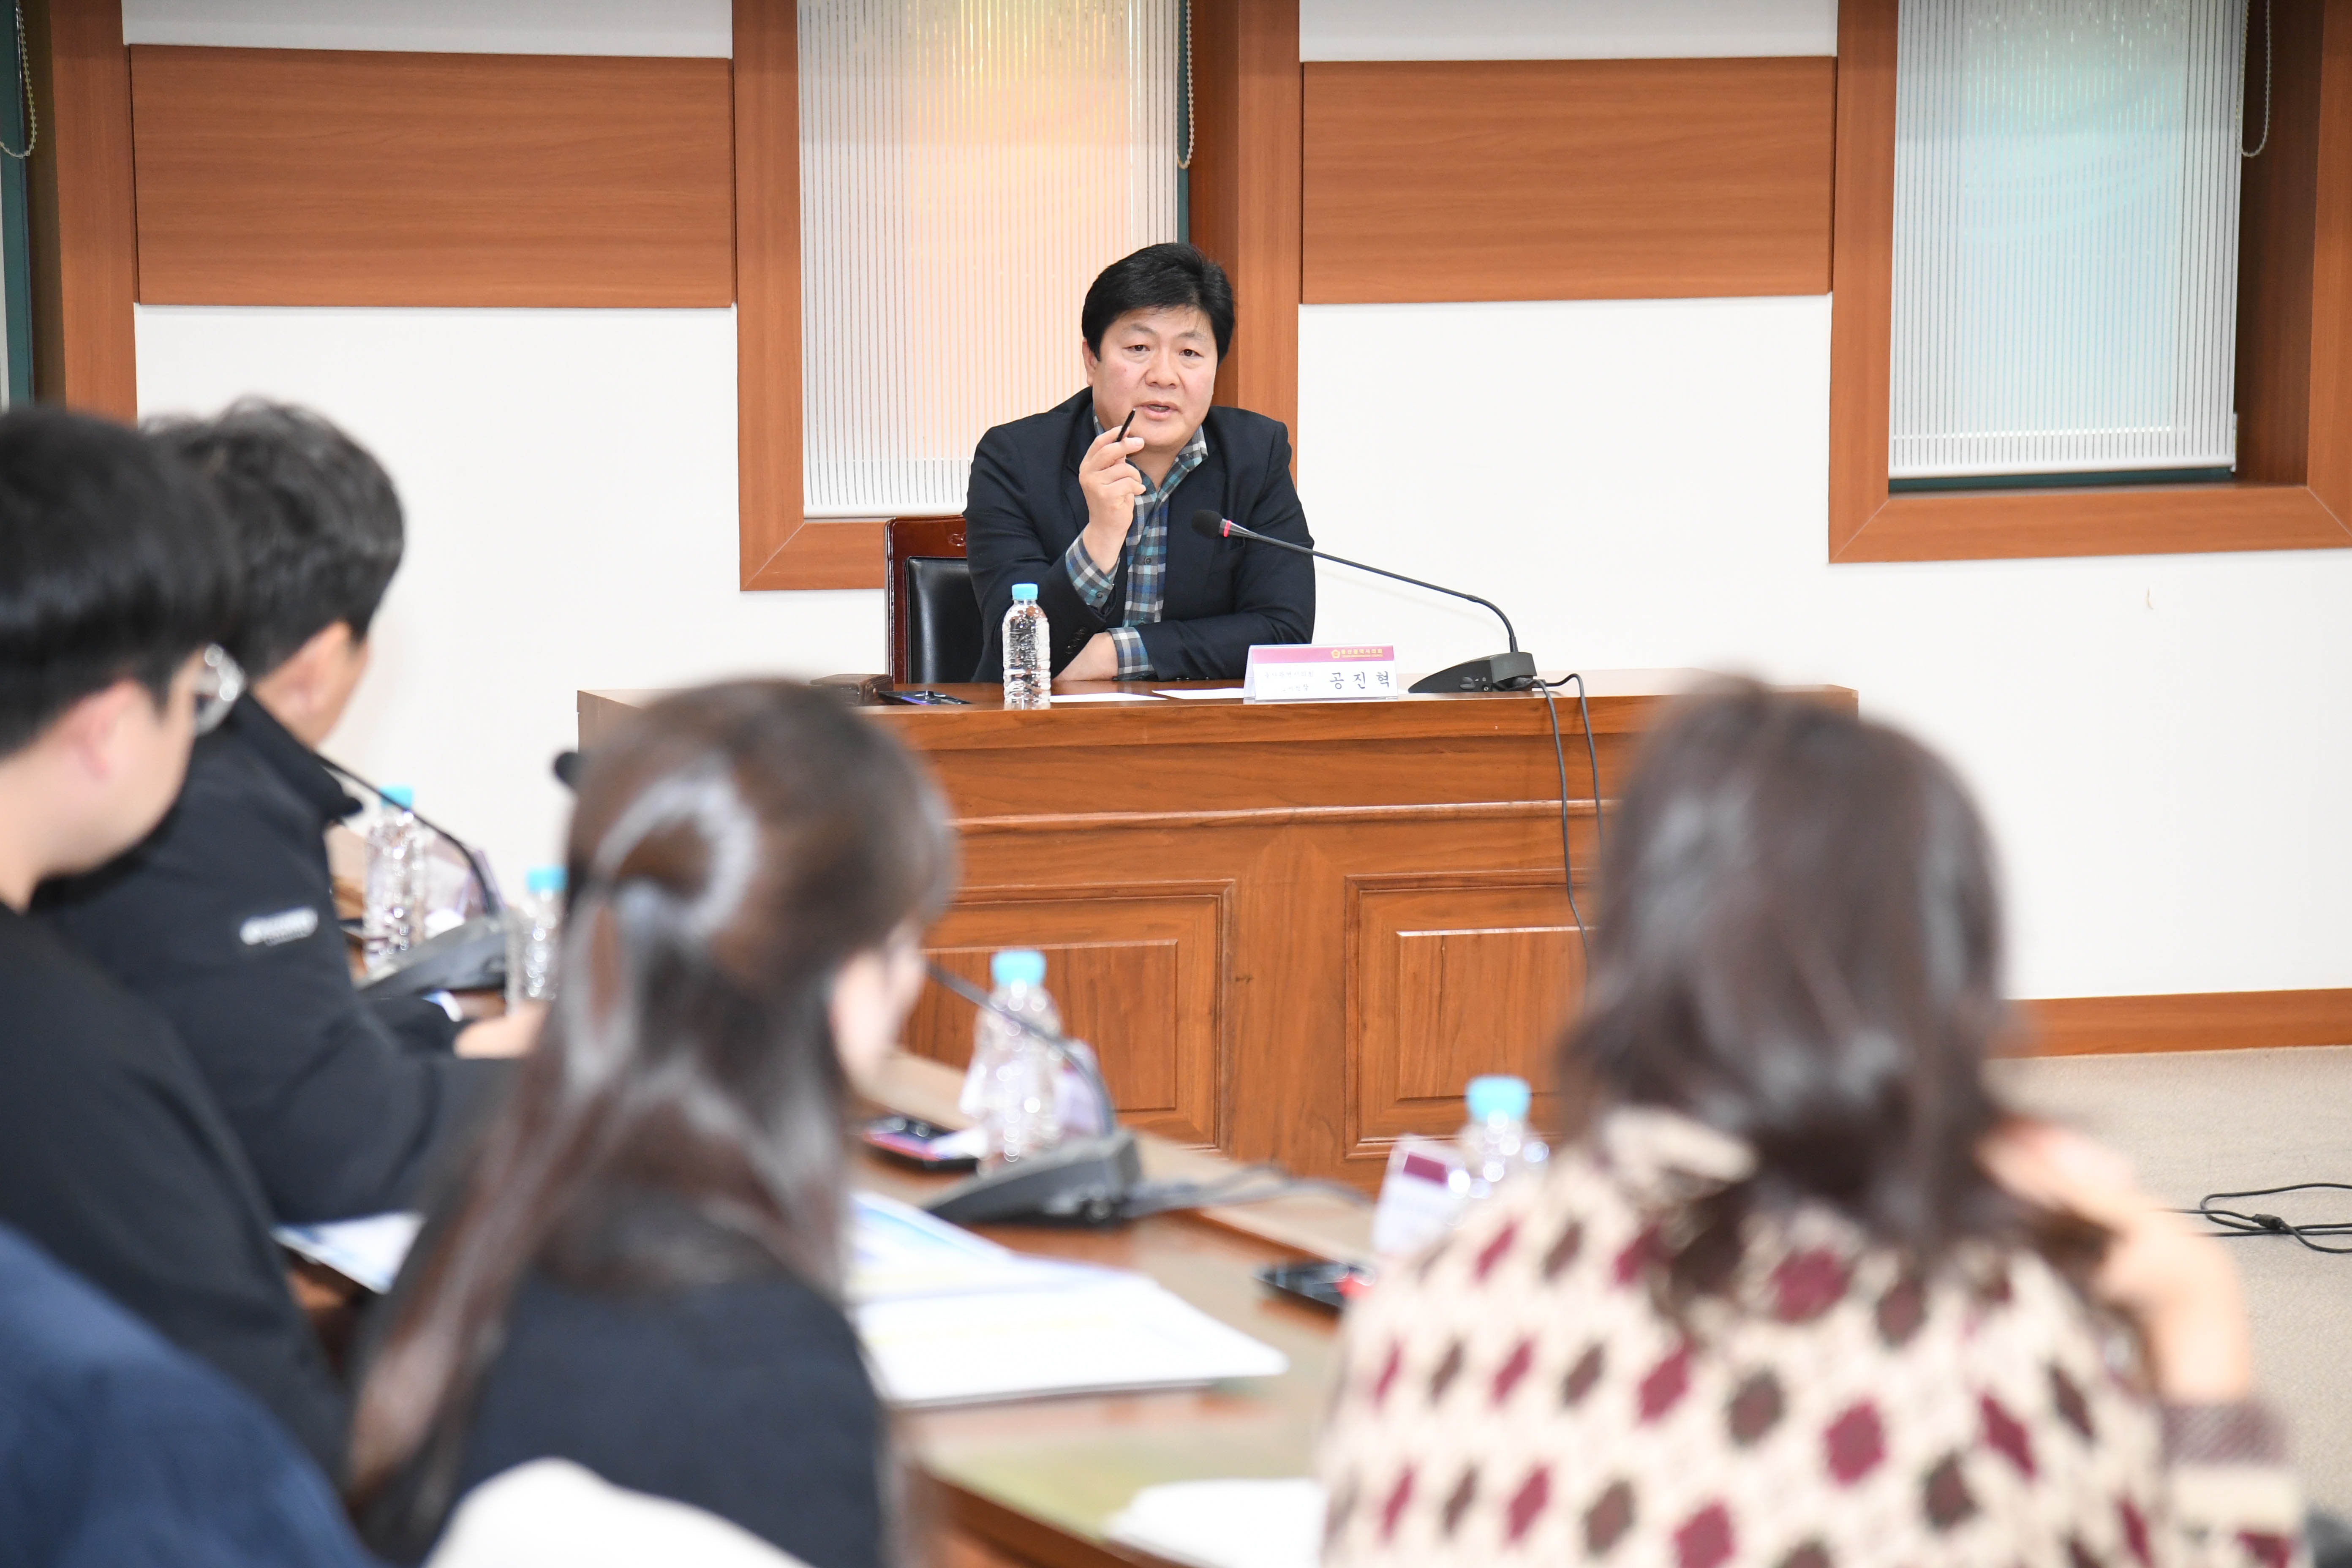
(2236, 1222)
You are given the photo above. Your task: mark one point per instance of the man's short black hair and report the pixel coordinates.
(113, 562)
(1159, 277)
(315, 518)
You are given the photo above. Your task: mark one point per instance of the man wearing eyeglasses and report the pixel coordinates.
(224, 919)
(114, 577)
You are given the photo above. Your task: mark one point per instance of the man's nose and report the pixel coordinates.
(1161, 371)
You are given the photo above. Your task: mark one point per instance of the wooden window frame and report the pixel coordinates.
(1244, 205)
(2293, 488)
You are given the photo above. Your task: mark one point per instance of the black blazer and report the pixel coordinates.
(1222, 594)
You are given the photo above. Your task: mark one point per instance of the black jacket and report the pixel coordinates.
(224, 919)
(116, 1160)
(1024, 507)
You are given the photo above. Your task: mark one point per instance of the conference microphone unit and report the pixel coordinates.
(1080, 1181)
(1512, 671)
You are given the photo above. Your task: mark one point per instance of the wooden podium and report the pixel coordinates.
(1292, 931)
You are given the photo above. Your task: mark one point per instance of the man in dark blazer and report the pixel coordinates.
(1092, 501)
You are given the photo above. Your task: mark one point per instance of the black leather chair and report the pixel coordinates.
(942, 620)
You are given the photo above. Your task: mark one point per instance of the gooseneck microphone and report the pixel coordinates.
(492, 904)
(1512, 671)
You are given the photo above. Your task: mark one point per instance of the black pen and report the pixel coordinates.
(1122, 436)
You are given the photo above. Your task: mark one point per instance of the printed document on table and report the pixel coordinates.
(1196, 694)
(899, 1253)
(951, 1317)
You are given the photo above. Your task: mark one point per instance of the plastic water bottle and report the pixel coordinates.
(1011, 1089)
(1028, 652)
(399, 849)
(534, 935)
(1497, 1146)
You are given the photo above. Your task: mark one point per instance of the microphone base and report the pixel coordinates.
(1080, 1181)
(469, 957)
(1496, 672)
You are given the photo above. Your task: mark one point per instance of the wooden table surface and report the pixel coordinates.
(1038, 1481)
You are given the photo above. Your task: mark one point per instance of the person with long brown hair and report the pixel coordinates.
(1795, 1291)
(639, 1270)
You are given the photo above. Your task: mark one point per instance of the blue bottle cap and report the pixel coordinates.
(1025, 593)
(401, 795)
(1498, 1094)
(1018, 966)
(544, 879)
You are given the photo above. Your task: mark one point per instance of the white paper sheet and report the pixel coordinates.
(366, 1251)
(898, 1253)
(1227, 1524)
(1063, 699)
(1211, 694)
(1117, 1332)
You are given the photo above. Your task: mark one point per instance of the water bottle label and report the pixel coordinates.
(1424, 1192)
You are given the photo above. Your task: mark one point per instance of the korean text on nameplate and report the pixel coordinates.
(1296, 672)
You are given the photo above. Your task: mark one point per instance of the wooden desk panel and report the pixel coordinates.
(1292, 932)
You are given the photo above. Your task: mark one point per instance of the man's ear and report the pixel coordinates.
(1087, 357)
(88, 729)
(308, 690)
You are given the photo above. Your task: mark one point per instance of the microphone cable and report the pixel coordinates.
(1559, 756)
(492, 904)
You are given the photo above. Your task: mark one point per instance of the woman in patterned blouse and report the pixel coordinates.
(1796, 1292)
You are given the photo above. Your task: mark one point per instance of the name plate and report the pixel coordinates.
(1298, 672)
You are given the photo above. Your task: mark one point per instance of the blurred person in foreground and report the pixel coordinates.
(640, 1270)
(1796, 1292)
(223, 918)
(116, 578)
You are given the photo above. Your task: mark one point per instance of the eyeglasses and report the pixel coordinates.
(219, 683)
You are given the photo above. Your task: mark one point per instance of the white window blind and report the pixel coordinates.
(967, 166)
(2065, 236)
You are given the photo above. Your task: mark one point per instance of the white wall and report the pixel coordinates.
(2158, 740)
(1554, 29)
(569, 478)
(466, 26)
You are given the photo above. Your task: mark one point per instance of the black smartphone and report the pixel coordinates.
(907, 1141)
(923, 697)
(1325, 1284)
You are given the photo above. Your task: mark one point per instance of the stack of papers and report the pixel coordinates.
(948, 1317)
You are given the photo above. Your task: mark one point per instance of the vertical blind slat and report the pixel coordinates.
(967, 166)
(2065, 236)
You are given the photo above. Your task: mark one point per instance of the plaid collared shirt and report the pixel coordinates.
(1146, 553)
